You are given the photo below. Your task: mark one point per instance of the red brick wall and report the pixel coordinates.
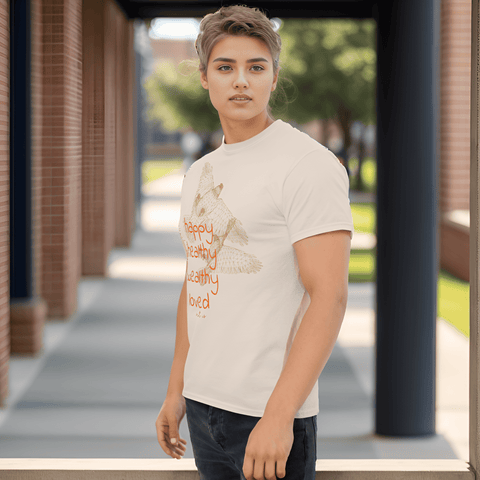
(110, 85)
(61, 154)
(124, 169)
(62, 184)
(4, 199)
(73, 70)
(455, 58)
(455, 104)
(107, 170)
(27, 317)
(454, 250)
(129, 125)
(97, 181)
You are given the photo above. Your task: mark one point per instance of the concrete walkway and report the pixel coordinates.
(96, 389)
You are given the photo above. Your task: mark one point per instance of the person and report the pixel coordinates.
(266, 224)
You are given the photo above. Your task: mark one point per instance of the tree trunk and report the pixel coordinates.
(345, 121)
(344, 118)
(361, 155)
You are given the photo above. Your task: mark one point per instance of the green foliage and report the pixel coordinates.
(331, 63)
(368, 172)
(362, 266)
(178, 100)
(325, 63)
(364, 217)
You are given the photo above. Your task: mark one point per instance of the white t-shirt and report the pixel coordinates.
(243, 206)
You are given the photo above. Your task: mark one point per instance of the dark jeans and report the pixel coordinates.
(219, 438)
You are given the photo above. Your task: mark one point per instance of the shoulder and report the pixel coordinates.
(325, 156)
(288, 130)
(309, 151)
(296, 145)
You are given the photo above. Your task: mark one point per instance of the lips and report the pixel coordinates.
(240, 97)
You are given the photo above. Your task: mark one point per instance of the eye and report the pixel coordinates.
(258, 66)
(220, 68)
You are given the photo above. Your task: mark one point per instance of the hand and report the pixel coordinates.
(168, 423)
(268, 447)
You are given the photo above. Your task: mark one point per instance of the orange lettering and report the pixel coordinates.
(199, 302)
(198, 229)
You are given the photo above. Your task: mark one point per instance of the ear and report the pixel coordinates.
(203, 80)
(275, 78)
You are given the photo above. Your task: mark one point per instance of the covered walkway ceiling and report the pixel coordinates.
(147, 9)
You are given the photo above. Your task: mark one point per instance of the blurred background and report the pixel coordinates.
(338, 111)
(103, 122)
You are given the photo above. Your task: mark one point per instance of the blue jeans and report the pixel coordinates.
(219, 438)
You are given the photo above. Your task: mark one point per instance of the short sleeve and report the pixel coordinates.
(315, 196)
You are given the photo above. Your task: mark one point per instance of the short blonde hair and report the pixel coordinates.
(236, 20)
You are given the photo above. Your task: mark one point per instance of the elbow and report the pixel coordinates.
(337, 296)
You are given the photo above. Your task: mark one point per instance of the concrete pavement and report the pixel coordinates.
(98, 386)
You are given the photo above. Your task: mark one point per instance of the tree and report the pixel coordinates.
(329, 62)
(332, 65)
(178, 100)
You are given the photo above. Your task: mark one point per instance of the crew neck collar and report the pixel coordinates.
(230, 148)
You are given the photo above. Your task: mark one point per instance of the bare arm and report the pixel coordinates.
(173, 408)
(323, 261)
(175, 384)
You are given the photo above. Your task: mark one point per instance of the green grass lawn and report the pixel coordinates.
(453, 295)
(155, 169)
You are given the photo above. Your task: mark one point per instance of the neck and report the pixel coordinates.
(240, 130)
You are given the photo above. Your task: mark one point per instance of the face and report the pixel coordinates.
(240, 65)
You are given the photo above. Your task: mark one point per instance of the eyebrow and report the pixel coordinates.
(231, 60)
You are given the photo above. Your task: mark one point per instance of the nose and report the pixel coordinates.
(240, 80)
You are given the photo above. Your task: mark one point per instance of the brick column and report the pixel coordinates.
(98, 166)
(455, 104)
(61, 154)
(30, 338)
(27, 307)
(108, 204)
(124, 169)
(130, 126)
(4, 199)
(455, 58)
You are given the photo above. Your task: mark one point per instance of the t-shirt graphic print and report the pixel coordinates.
(243, 207)
(204, 233)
